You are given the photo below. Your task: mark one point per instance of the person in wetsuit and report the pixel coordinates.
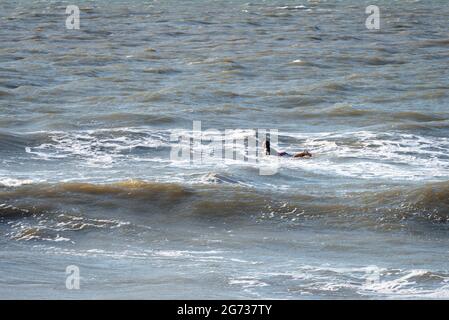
(268, 150)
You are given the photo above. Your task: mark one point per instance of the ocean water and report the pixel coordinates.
(87, 180)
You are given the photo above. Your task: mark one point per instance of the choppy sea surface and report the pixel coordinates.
(86, 176)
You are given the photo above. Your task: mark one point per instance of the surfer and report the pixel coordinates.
(268, 150)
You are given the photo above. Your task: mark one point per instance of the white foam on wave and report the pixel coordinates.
(195, 255)
(368, 281)
(361, 154)
(368, 155)
(102, 147)
(13, 182)
(291, 7)
(247, 282)
(45, 228)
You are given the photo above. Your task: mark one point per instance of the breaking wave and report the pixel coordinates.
(375, 209)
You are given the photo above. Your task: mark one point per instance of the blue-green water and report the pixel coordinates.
(86, 176)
